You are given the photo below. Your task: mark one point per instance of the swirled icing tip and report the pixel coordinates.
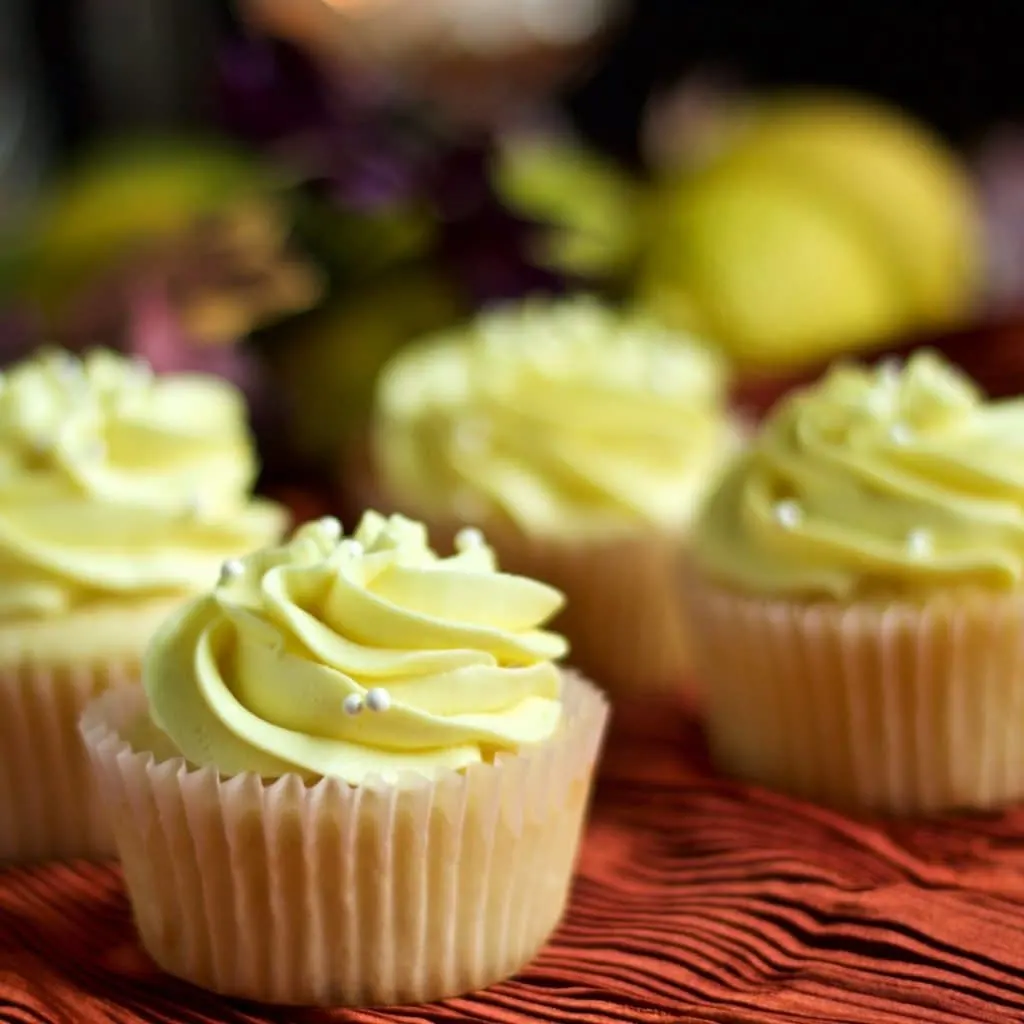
(894, 478)
(322, 542)
(357, 656)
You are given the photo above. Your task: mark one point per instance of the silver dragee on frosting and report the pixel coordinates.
(359, 656)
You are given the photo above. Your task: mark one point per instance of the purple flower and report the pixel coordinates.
(269, 93)
(345, 138)
(352, 144)
(484, 243)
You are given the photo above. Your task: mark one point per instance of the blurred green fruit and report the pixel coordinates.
(327, 363)
(826, 224)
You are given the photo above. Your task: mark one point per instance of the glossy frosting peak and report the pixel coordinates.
(896, 479)
(360, 656)
(115, 483)
(564, 416)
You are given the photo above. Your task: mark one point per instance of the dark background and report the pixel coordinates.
(958, 65)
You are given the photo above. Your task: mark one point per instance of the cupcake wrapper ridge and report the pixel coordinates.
(331, 894)
(48, 803)
(902, 709)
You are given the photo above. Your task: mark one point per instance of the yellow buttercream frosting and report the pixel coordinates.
(900, 479)
(358, 657)
(564, 416)
(115, 484)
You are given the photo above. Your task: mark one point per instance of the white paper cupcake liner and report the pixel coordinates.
(901, 708)
(48, 804)
(334, 894)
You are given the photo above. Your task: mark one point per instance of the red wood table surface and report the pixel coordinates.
(696, 900)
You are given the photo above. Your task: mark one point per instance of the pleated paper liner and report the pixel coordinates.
(48, 804)
(895, 708)
(624, 615)
(334, 894)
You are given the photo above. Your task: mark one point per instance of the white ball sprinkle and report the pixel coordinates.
(331, 527)
(378, 699)
(355, 549)
(900, 433)
(469, 538)
(889, 371)
(231, 570)
(142, 369)
(353, 704)
(789, 514)
(69, 366)
(919, 543)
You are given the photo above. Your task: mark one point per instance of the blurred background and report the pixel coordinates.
(286, 191)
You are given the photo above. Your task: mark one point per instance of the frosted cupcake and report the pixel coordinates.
(361, 777)
(859, 604)
(583, 444)
(120, 495)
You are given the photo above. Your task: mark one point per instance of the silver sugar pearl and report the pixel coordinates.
(900, 433)
(231, 570)
(469, 538)
(353, 704)
(789, 514)
(331, 527)
(919, 543)
(378, 699)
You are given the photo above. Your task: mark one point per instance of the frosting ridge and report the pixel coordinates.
(115, 483)
(562, 415)
(359, 656)
(899, 478)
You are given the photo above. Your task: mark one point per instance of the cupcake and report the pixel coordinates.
(120, 495)
(355, 774)
(857, 595)
(582, 442)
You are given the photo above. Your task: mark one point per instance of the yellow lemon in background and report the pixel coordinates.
(326, 363)
(824, 224)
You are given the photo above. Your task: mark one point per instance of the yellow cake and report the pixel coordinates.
(120, 495)
(356, 776)
(857, 595)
